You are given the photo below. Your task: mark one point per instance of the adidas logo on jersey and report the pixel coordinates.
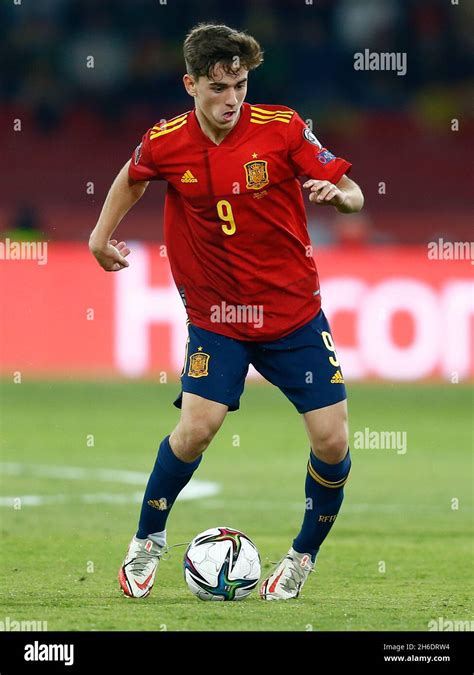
(337, 378)
(188, 177)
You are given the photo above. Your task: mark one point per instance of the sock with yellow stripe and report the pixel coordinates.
(324, 490)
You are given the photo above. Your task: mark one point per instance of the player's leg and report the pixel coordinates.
(178, 458)
(327, 472)
(212, 381)
(305, 367)
(199, 422)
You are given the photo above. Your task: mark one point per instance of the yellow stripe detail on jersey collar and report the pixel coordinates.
(254, 120)
(170, 123)
(270, 117)
(286, 113)
(168, 127)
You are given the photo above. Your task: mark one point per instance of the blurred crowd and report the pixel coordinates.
(137, 50)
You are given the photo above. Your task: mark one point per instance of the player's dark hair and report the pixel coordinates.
(208, 44)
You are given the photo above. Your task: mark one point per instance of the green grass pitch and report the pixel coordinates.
(398, 556)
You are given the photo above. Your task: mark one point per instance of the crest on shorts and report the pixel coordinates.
(256, 174)
(198, 364)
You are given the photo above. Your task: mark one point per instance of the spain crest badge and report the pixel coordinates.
(256, 174)
(198, 364)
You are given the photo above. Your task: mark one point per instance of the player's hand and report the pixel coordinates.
(324, 193)
(112, 256)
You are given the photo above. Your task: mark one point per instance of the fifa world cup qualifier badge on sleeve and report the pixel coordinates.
(198, 364)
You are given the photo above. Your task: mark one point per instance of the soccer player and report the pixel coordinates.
(241, 258)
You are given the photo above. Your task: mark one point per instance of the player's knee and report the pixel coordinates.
(332, 446)
(190, 440)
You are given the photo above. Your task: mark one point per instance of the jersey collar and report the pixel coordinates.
(238, 130)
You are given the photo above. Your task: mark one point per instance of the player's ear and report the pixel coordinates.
(189, 84)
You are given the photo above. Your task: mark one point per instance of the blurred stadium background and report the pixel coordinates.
(402, 320)
(80, 124)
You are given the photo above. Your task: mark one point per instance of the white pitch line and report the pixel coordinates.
(74, 473)
(32, 500)
(45, 500)
(195, 489)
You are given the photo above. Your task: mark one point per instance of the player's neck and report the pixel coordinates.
(214, 133)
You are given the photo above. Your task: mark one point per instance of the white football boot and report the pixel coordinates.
(137, 574)
(288, 577)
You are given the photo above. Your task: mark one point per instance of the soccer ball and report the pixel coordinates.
(221, 564)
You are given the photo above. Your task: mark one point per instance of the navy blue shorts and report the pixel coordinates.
(303, 365)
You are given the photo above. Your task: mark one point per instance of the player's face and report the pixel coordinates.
(220, 98)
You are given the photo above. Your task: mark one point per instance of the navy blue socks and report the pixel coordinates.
(324, 489)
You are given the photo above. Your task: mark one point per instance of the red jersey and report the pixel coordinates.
(235, 223)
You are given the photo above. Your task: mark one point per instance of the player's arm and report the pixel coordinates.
(126, 190)
(345, 195)
(123, 194)
(327, 174)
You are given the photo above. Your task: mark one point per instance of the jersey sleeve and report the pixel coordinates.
(142, 165)
(309, 157)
